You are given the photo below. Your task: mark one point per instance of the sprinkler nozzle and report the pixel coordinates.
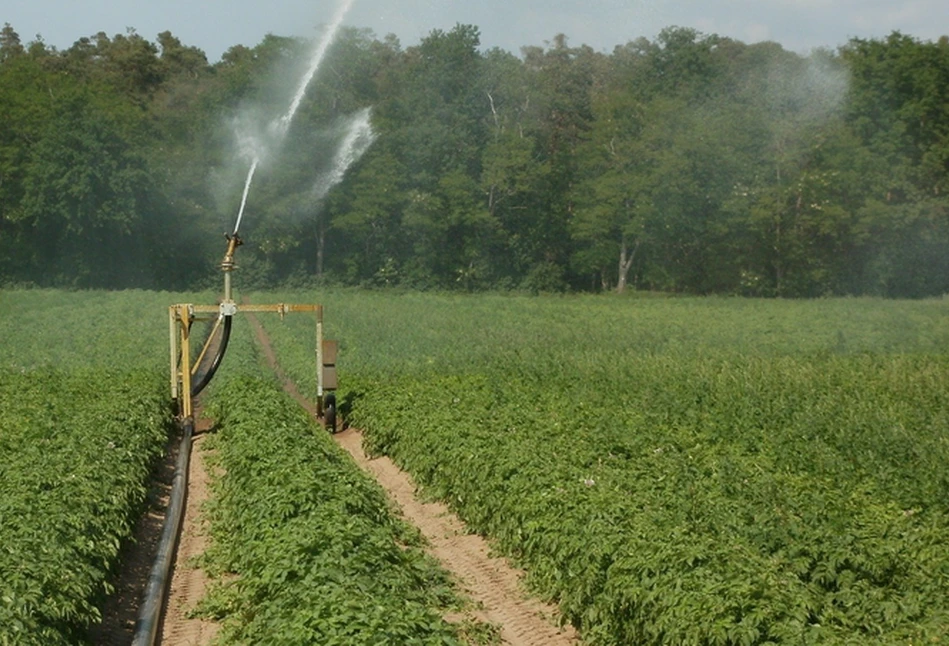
(233, 242)
(227, 265)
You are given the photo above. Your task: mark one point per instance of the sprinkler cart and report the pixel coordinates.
(189, 378)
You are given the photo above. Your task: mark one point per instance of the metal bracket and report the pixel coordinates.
(180, 320)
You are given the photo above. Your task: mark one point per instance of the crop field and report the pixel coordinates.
(310, 548)
(675, 471)
(668, 471)
(84, 414)
(306, 546)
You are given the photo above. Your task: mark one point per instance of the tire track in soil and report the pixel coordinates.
(490, 581)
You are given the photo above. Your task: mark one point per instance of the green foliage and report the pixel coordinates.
(320, 555)
(65, 330)
(83, 189)
(675, 470)
(311, 550)
(77, 449)
(697, 508)
(84, 416)
(688, 163)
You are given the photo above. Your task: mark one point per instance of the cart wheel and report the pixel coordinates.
(329, 413)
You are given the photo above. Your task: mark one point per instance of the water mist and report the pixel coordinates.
(279, 127)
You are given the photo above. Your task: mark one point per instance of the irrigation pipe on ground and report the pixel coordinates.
(149, 616)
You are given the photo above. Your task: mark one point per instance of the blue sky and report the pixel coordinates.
(215, 25)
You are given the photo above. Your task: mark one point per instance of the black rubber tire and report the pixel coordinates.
(329, 418)
(329, 413)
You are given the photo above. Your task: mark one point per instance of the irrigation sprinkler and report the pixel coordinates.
(189, 378)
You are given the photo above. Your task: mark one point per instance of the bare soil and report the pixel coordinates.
(189, 582)
(493, 583)
(490, 581)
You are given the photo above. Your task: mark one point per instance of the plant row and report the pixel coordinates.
(306, 546)
(755, 501)
(76, 451)
(674, 471)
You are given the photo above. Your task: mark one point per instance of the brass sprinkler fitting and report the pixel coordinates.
(227, 265)
(233, 242)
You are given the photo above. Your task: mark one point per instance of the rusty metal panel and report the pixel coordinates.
(329, 377)
(330, 348)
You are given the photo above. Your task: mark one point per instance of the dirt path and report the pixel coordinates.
(189, 582)
(490, 581)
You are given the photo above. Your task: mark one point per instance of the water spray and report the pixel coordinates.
(283, 124)
(189, 377)
(279, 127)
(357, 140)
(250, 178)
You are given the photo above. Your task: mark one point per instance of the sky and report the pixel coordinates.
(216, 25)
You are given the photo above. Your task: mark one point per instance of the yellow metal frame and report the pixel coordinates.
(181, 317)
(180, 321)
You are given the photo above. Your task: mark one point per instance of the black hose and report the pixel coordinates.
(149, 616)
(204, 379)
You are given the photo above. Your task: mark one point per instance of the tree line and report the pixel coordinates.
(689, 163)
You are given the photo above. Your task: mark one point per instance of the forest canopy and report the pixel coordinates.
(690, 163)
